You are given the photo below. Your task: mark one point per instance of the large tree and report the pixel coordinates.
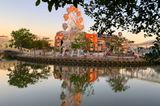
(22, 38)
(132, 15)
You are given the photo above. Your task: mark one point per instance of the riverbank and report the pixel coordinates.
(85, 61)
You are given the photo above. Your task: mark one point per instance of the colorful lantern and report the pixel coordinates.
(80, 19)
(65, 26)
(66, 17)
(80, 27)
(78, 13)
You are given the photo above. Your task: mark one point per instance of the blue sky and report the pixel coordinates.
(16, 14)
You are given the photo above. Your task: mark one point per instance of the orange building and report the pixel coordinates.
(94, 40)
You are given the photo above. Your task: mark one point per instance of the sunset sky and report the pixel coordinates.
(16, 14)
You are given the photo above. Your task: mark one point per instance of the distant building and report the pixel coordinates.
(4, 42)
(99, 44)
(94, 40)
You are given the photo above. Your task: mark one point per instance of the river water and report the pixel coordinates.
(28, 84)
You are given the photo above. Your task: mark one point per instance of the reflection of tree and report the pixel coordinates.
(76, 83)
(118, 83)
(23, 74)
(116, 79)
(80, 83)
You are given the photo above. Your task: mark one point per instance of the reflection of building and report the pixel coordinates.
(74, 82)
(116, 77)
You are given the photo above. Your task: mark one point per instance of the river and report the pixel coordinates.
(28, 84)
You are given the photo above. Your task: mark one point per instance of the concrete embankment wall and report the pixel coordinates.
(84, 61)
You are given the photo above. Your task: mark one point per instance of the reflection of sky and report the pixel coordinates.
(140, 93)
(15, 14)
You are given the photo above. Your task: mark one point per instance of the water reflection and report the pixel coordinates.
(80, 83)
(23, 74)
(77, 81)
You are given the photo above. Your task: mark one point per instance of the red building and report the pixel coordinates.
(94, 40)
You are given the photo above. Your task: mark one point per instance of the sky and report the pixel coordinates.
(16, 14)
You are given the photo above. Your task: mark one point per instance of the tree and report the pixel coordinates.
(118, 83)
(59, 3)
(40, 44)
(21, 76)
(116, 44)
(81, 42)
(22, 38)
(132, 15)
(154, 54)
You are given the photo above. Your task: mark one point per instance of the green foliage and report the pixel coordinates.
(40, 44)
(118, 83)
(155, 52)
(80, 82)
(22, 38)
(116, 44)
(59, 3)
(132, 15)
(24, 74)
(81, 42)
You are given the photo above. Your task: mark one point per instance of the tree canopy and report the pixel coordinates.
(132, 15)
(21, 76)
(59, 3)
(22, 38)
(81, 42)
